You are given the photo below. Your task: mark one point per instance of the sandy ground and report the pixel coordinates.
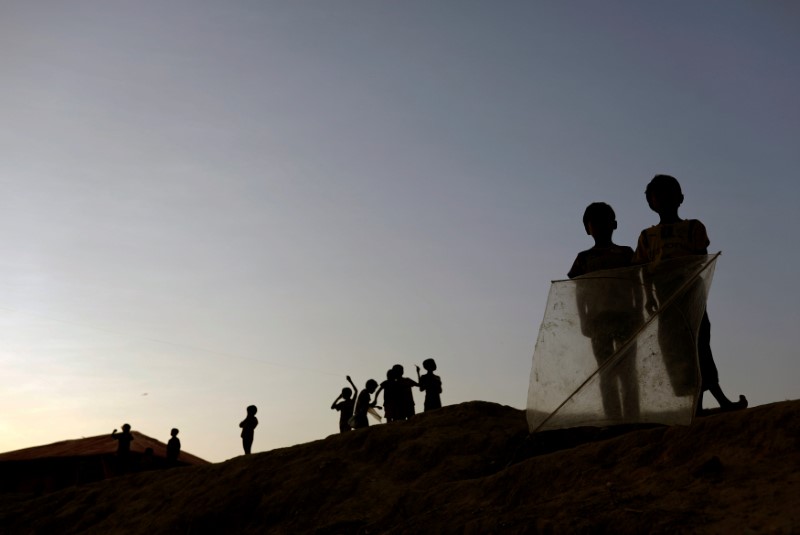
(469, 468)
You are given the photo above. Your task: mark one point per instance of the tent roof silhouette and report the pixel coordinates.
(94, 446)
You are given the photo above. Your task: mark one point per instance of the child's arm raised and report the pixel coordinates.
(355, 390)
(419, 380)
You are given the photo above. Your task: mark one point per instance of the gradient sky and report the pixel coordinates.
(206, 205)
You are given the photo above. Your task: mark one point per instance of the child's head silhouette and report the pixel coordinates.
(174, 432)
(346, 393)
(664, 193)
(372, 385)
(599, 219)
(251, 410)
(398, 370)
(126, 427)
(429, 364)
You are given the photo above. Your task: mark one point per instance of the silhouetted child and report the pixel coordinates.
(363, 404)
(248, 426)
(173, 448)
(405, 397)
(674, 237)
(608, 318)
(124, 440)
(346, 406)
(389, 387)
(431, 384)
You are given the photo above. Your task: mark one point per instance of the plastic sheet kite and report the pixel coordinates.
(603, 357)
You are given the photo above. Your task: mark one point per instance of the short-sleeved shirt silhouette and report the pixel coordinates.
(362, 406)
(432, 386)
(673, 240)
(346, 411)
(601, 307)
(248, 426)
(405, 398)
(125, 438)
(391, 402)
(598, 258)
(173, 449)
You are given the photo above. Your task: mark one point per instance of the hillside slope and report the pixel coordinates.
(468, 468)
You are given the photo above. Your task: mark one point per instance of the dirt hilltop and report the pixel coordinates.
(468, 468)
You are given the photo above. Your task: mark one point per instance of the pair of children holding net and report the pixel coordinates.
(671, 238)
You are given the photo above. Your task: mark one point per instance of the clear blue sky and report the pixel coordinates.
(205, 205)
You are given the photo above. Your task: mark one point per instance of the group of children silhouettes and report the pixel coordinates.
(354, 406)
(671, 238)
(398, 398)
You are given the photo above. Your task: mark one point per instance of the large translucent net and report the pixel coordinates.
(603, 359)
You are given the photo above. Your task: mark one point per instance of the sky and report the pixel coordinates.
(207, 205)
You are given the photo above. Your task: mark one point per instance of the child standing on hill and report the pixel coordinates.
(363, 404)
(674, 237)
(173, 448)
(248, 426)
(405, 396)
(608, 318)
(389, 387)
(431, 384)
(124, 440)
(346, 406)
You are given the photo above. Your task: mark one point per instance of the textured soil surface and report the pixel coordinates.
(469, 468)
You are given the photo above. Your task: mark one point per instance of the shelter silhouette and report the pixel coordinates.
(71, 462)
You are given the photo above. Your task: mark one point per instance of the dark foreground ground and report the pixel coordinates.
(468, 468)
